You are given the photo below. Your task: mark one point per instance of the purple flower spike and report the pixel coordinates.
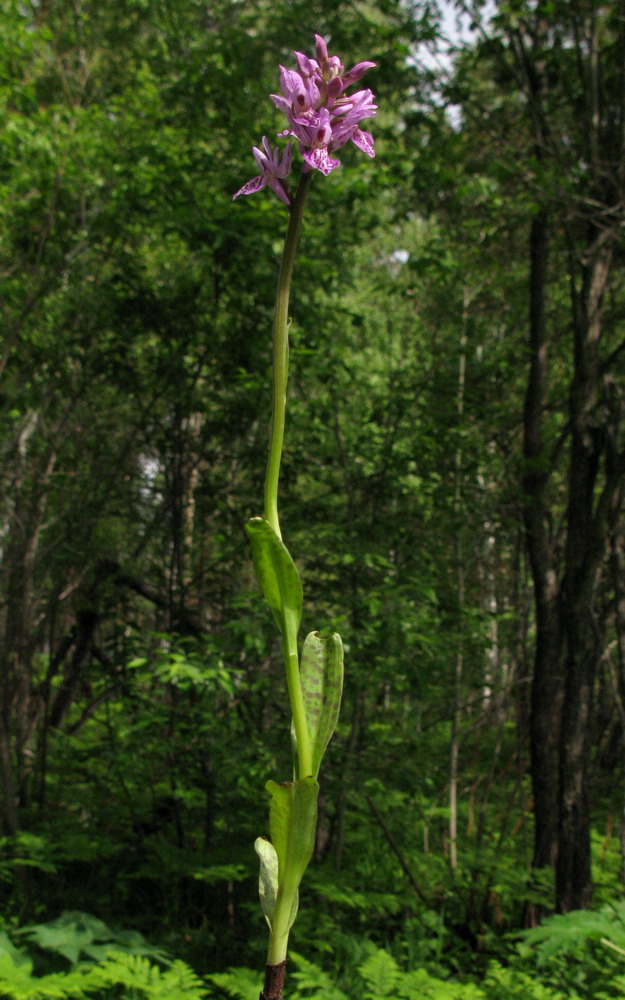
(273, 168)
(320, 115)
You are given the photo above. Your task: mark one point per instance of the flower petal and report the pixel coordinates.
(256, 184)
(321, 49)
(320, 160)
(364, 141)
(277, 188)
(356, 72)
(261, 158)
(305, 65)
(284, 168)
(281, 103)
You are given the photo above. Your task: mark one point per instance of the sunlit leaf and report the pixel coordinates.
(276, 573)
(321, 674)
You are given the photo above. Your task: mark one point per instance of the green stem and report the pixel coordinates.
(281, 352)
(279, 937)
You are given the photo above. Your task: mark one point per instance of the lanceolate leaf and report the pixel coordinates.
(277, 574)
(321, 675)
(268, 882)
(292, 822)
(268, 878)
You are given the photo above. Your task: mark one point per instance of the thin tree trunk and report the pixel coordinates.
(617, 671)
(454, 755)
(9, 821)
(587, 538)
(546, 693)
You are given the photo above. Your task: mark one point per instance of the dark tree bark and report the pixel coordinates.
(547, 682)
(19, 703)
(590, 508)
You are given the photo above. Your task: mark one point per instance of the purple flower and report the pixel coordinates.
(313, 130)
(300, 93)
(320, 115)
(347, 116)
(273, 168)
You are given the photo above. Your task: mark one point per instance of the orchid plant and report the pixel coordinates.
(321, 118)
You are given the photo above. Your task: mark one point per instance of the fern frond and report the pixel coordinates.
(567, 932)
(241, 984)
(419, 985)
(380, 973)
(137, 973)
(18, 983)
(308, 976)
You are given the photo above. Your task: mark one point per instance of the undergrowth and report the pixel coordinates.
(577, 956)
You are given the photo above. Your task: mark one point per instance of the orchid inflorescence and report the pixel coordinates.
(321, 117)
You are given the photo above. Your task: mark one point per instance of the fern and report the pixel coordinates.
(419, 985)
(18, 983)
(514, 984)
(568, 950)
(566, 933)
(178, 982)
(380, 973)
(315, 983)
(307, 981)
(134, 974)
(241, 984)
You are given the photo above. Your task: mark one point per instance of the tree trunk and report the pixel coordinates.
(588, 525)
(546, 696)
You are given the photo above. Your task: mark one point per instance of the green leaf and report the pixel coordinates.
(276, 573)
(268, 878)
(321, 675)
(292, 822)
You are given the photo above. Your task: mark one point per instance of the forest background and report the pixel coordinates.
(452, 489)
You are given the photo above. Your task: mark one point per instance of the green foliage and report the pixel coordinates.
(75, 934)
(572, 950)
(379, 976)
(242, 984)
(137, 975)
(126, 974)
(503, 982)
(24, 850)
(311, 981)
(127, 977)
